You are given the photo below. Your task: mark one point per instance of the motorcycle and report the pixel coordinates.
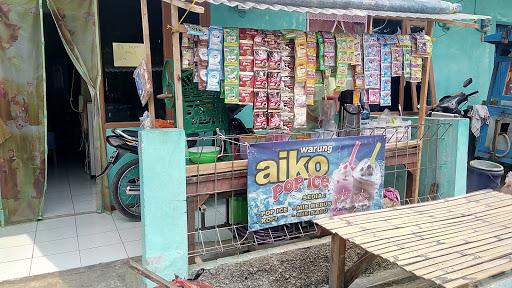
(126, 181)
(450, 104)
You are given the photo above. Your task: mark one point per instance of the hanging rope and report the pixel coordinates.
(176, 29)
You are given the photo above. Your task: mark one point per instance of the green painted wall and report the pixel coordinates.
(225, 16)
(459, 53)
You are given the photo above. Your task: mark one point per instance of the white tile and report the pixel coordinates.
(124, 223)
(16, 253)
(55, 234)
(103, 254)
(131, 234)
(83, 189)
(18, 229)
(56, 223)
(133, 248)
(57, 197)
(94, 223)
(58, 208)
(53, 263)
(84, 197)
(15, 269)
(17, 240)
(55, 247)
(58, 186)
(85, 206)
(98, 240)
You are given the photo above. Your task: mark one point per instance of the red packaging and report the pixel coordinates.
(274, 80)
(260, 100)
(259, 40)
(274, 120)
(274, 100)
(247, 34)
(260, 120)
(260, 79)
(247, 79)
(261, 58)
(246, 96)
(274, 60)
(246, 65)
(246, 49)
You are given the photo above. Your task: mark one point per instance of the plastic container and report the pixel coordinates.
(238, 210)
(484, 175)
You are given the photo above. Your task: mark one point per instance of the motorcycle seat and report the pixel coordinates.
(130, 135)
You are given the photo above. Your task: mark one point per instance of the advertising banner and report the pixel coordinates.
(296, 181)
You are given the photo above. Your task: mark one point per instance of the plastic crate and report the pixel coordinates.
(203, 111)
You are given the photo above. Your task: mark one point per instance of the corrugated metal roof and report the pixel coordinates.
(348, 12)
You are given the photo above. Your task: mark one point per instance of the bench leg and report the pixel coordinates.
(337, 273)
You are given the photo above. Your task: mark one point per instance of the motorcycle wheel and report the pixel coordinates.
(127, 205)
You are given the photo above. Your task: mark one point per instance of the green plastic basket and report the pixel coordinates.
(203, 111)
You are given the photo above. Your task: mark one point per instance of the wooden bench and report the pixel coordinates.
(455, 242)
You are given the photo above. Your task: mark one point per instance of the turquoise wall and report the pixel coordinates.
(460, 53)
(225, 16)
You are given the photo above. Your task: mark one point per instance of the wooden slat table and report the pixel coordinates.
(454, 242)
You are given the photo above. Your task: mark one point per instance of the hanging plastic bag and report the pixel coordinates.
(143, 83)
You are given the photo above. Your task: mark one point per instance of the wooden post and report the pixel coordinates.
(337, 272)
(176, 58)
(423, 107)
(401, 92)
(167, 46)
(147, 48)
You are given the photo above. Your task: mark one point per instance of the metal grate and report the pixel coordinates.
(215, 228)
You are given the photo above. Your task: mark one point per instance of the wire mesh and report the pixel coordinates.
(217, 181)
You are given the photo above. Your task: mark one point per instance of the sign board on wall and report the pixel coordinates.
(128, 54)
(296, 181)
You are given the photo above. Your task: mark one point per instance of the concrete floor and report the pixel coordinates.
(109, 275)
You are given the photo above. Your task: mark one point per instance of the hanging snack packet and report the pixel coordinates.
(404, 40)
(260, 79)
(215, 37)
(232, 75)
(213, 80)
(260, 100)
(247, 64)
(288, 102)
(231, 94)
(321, 52)
(397, 60)
(143, 83)
(274, 80)
(274, 60)
(246, 96)
(231, 56)
(231, 37)
(274, 100)
(274, 120)
(261, 58)
(247, 79)
(300, 119)
(407, 51)
(301, 60)
(260, 120)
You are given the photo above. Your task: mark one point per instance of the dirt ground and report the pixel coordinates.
(305, 267)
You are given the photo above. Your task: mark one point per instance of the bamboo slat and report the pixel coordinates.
(454, 242)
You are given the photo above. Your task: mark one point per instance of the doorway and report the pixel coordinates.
(70, 190)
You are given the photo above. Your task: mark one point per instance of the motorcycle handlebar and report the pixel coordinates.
(472, 93)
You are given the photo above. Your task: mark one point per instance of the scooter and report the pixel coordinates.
(450, 104)
(126, 181)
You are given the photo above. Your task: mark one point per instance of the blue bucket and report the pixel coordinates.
(484, 175)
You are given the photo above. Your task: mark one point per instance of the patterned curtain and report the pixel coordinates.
(77, 23)
(22, 111)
